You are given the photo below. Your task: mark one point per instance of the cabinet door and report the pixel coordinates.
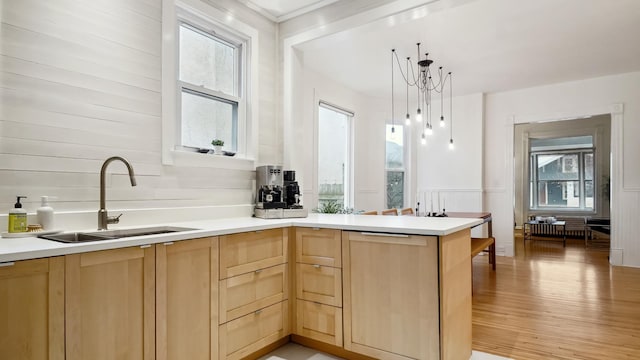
(250, 333)
(317, 283)
(187, 299)
(246, 252)
(318, 246)
(110, 304)
(32, 309)
(320, 322)
(246, 293)
(391, 296)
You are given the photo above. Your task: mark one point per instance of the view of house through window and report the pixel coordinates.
(209, 82)
(561, 173)
(395, 166)
(334, 155)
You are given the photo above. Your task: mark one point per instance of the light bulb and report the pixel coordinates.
(441, 121)
(450, 144)
(423, 141)
(429, 130)
(408, 121)
(418, 116)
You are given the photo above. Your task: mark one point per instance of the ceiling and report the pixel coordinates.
(489, 45)
(280, 10)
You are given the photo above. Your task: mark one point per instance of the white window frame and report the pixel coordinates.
(349, 181)
(206, 18)
(403, 169)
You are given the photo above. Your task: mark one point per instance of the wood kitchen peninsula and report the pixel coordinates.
(355, 286)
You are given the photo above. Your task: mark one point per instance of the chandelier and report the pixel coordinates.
(427, 84)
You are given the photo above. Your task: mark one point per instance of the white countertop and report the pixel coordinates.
(12, 249)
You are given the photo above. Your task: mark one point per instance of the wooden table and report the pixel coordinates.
(485, 216)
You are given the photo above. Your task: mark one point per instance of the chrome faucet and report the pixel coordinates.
(103, 217)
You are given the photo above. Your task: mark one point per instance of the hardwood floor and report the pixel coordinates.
(551, 302)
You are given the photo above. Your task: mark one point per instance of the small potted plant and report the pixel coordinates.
(217, 146)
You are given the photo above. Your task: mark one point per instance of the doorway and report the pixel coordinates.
(562, 171)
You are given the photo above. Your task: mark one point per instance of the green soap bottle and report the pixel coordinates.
(18, 217)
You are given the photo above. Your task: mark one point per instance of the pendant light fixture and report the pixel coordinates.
(393, 122)
(423, 80)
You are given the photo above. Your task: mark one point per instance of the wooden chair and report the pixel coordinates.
(406, 211)
(372, 212)
(479, 244)
(390, 212)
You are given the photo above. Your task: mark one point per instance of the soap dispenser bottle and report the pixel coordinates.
(17, 217)
(45, 213)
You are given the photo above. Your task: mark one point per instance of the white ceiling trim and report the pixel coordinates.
(289, 15)
(306, 9)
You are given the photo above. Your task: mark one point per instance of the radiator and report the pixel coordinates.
(575, 227)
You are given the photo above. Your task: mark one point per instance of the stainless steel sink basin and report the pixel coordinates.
(75, 237)
(113, 234)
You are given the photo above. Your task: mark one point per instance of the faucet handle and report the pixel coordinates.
(113, 219)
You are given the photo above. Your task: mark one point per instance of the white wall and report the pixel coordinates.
(455, 174)
(565, 100)
(81, 81)
(368, 136)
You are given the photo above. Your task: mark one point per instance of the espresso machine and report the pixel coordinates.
(277, 194)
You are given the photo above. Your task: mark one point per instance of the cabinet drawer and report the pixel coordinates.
(320, 322)
(246, 252)
(318, 246)
(246, 293)
(317, 283)
(245, 335)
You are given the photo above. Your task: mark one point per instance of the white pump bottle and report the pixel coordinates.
(45, 214)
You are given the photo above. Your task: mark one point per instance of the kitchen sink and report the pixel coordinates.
(77, 237)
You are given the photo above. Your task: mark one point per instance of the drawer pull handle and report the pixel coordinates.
(257, 312)
(317, 266)
(384, 234)
(6, 264)
(145, 246)
(168, 243)
(315, 228)
(258, 271)
(259, 231)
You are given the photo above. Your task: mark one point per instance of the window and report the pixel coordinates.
(561, 173)
(395, 166)
(334, 155)
(210, 85)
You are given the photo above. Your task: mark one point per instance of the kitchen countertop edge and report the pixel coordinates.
(15, 249)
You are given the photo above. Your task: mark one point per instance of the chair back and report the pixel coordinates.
(390, 212)
(406, 211)
(372, 212)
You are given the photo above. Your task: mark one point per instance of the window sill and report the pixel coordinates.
(194, 159)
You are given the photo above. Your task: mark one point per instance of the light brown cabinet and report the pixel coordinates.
(110, 304)
(391, 295)
(252, 332)
(319, 246)
(319, 284)
(32, 309)
(246, 293)
(250, 251)
(254, 288)
(187, 299)
(319, 322)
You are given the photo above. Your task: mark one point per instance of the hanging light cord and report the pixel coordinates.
(450, 106)
(393, 123)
